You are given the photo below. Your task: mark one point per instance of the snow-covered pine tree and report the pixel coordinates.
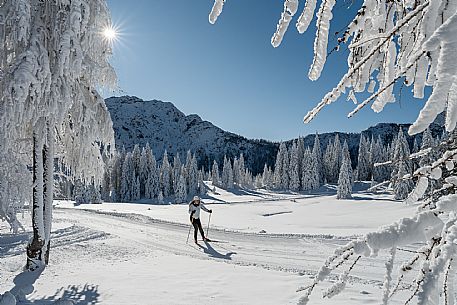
(265, 177)
(143, 174)
(81, 195)
(327, 161)
(181, 191)
(378, 156)
(344, 189)
(337, 155)
(201, 183)
(224, 177)
(160, 198)
(427, 142)
(165, 176)
(145, 168)
(301, 152)
(310, 176)
(401, 186)
(136, 156)
(154, 179)
(236, 172)
(248, 180)
(332, 159)
(285, 176)
(364, 163)
(317, 153)
(127, 178)
(278, 170)
(136, 188)
(193, 177)
(119, 158)
(258, 181)
(215, 179)
(95, 195)
(242, 169)
(227, 174)
(294, 171)
(177, 164)
(188, 166)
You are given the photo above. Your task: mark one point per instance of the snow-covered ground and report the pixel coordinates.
(137, 253)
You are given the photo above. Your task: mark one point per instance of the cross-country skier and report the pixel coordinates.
(194, 210)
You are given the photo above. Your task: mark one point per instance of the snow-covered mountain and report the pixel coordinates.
(165, 127)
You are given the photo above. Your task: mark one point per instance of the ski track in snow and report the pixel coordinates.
(296, 253)
(97, 240)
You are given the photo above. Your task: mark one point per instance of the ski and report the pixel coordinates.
(212, 241)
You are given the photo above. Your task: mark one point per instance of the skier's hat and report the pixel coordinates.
(196, 198)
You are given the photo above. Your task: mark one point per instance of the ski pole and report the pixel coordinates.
(209, 220)
(190, 226)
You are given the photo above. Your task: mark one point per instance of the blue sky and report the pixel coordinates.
(229, 73)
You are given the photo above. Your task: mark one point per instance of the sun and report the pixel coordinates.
(110, 33)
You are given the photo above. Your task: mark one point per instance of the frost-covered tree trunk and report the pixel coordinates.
(43, 168)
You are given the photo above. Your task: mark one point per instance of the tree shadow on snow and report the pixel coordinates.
(357, 198)
(71, 295)
(75, 294)
(12, 244)
(214, 253)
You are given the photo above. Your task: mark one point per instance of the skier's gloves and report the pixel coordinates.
(210, 211)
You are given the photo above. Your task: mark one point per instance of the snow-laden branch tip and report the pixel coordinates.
(443, 41)
(306, 16)
(216, 11)
(320, 43)
(347, 79)
(290, 8)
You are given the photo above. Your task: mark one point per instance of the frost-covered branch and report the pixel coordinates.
(216, 10)
(412, 42)
(290, 8)
(347, 78)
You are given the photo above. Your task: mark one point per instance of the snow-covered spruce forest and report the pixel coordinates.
(136, 175)
(397, 246)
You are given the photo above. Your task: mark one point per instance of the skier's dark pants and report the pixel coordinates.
(197, 226)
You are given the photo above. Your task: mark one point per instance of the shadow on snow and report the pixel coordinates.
(214, 253)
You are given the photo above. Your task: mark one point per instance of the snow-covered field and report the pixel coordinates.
(137, 253)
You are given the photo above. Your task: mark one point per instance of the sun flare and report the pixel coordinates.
(110, 33)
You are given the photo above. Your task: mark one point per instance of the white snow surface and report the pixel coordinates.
(127, 253)
(288, 213)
